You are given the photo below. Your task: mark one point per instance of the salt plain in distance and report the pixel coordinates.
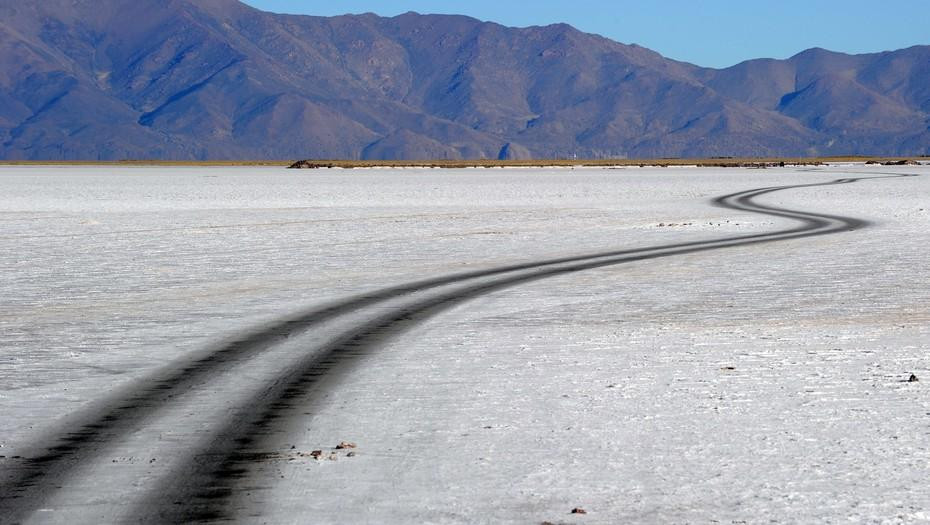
(754, 383)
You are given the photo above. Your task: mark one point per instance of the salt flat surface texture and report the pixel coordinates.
(753, 383)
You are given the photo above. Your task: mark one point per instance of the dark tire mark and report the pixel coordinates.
(83, 438)
(204, 490)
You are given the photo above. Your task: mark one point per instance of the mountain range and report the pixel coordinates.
(217, 79)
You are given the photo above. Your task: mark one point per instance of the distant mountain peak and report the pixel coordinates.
(192, 79)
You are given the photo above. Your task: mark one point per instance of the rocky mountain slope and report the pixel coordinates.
(216, 79)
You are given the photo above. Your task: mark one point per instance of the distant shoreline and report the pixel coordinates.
(749, 162)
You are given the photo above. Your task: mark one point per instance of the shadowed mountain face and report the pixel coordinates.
(216, 79)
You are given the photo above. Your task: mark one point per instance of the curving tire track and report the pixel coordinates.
(201, 484)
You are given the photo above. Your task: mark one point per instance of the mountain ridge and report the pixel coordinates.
(217, 79)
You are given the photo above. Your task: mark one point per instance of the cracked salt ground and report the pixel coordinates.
(765, 381)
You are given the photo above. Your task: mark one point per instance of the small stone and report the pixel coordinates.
(579, 510)
(333, 457)
(912, 379)
(345, 444)
(316, 454)
(350, 455)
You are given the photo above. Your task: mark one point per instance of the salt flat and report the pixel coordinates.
(753, 383)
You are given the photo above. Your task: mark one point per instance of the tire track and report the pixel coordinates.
(200, 489)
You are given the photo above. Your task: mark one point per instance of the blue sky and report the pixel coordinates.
(715, 33)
